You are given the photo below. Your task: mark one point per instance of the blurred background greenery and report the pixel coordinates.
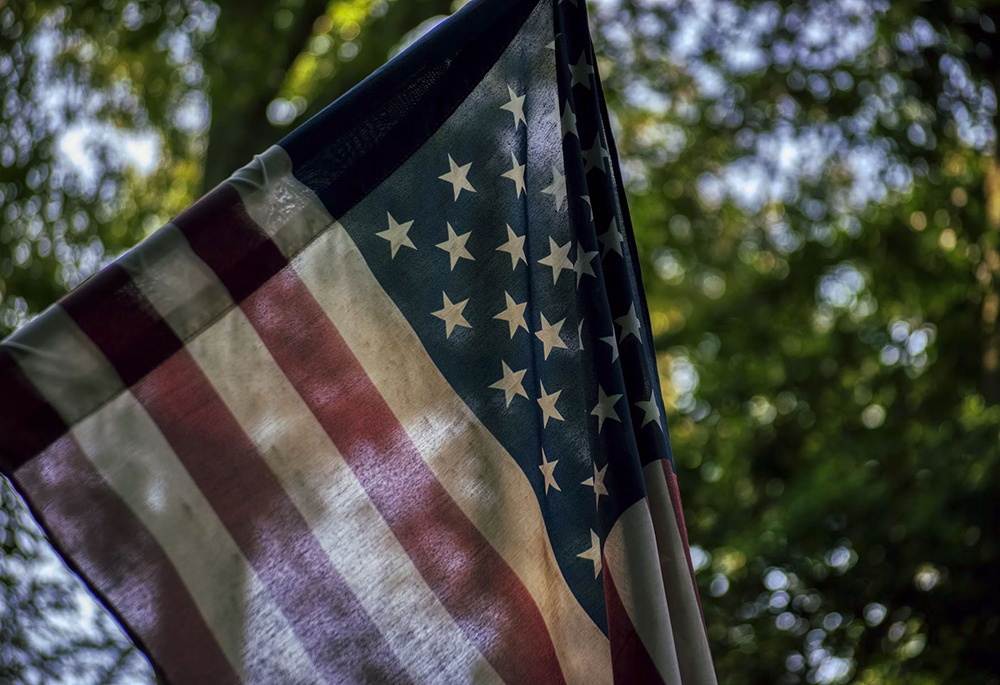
(817, 203)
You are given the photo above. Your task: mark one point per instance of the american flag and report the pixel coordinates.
(382, 407)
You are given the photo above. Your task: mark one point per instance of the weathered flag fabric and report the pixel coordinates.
(383, 407)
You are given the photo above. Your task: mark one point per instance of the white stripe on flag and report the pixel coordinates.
(288, 211)
(685, 612)
(630, 555)
(130, 453)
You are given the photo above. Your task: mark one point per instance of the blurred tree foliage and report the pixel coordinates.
(815, 195)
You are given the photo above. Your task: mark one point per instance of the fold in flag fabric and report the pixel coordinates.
(383, 407)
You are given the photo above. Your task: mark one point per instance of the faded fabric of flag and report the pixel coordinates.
(384, 406)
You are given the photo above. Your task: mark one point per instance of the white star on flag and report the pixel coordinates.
(630, 325)
(510, 383)
(514, 247)
(597, 482)
(451, 314)
(548, 469)
(613, 342)
(558, 258)
(612, 239)
(548, 404)
(605, 408)
(568, 121)
(397, 235)
(594, 553)
(455, 246)
(516, 174)
(582, 265)
(549, 335)
(652, 411)
(581, 72)
(515, 107)
(558, 188)
(513, 315)
(594, 157)
(458, 177)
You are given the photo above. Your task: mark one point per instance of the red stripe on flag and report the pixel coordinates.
(482, 593)
(121, 323)
(334, 629)
(630, 661)
(675, 502)
(224, 236)
(27, 423)
(121, 560)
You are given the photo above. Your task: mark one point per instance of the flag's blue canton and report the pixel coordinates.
(576, 381)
